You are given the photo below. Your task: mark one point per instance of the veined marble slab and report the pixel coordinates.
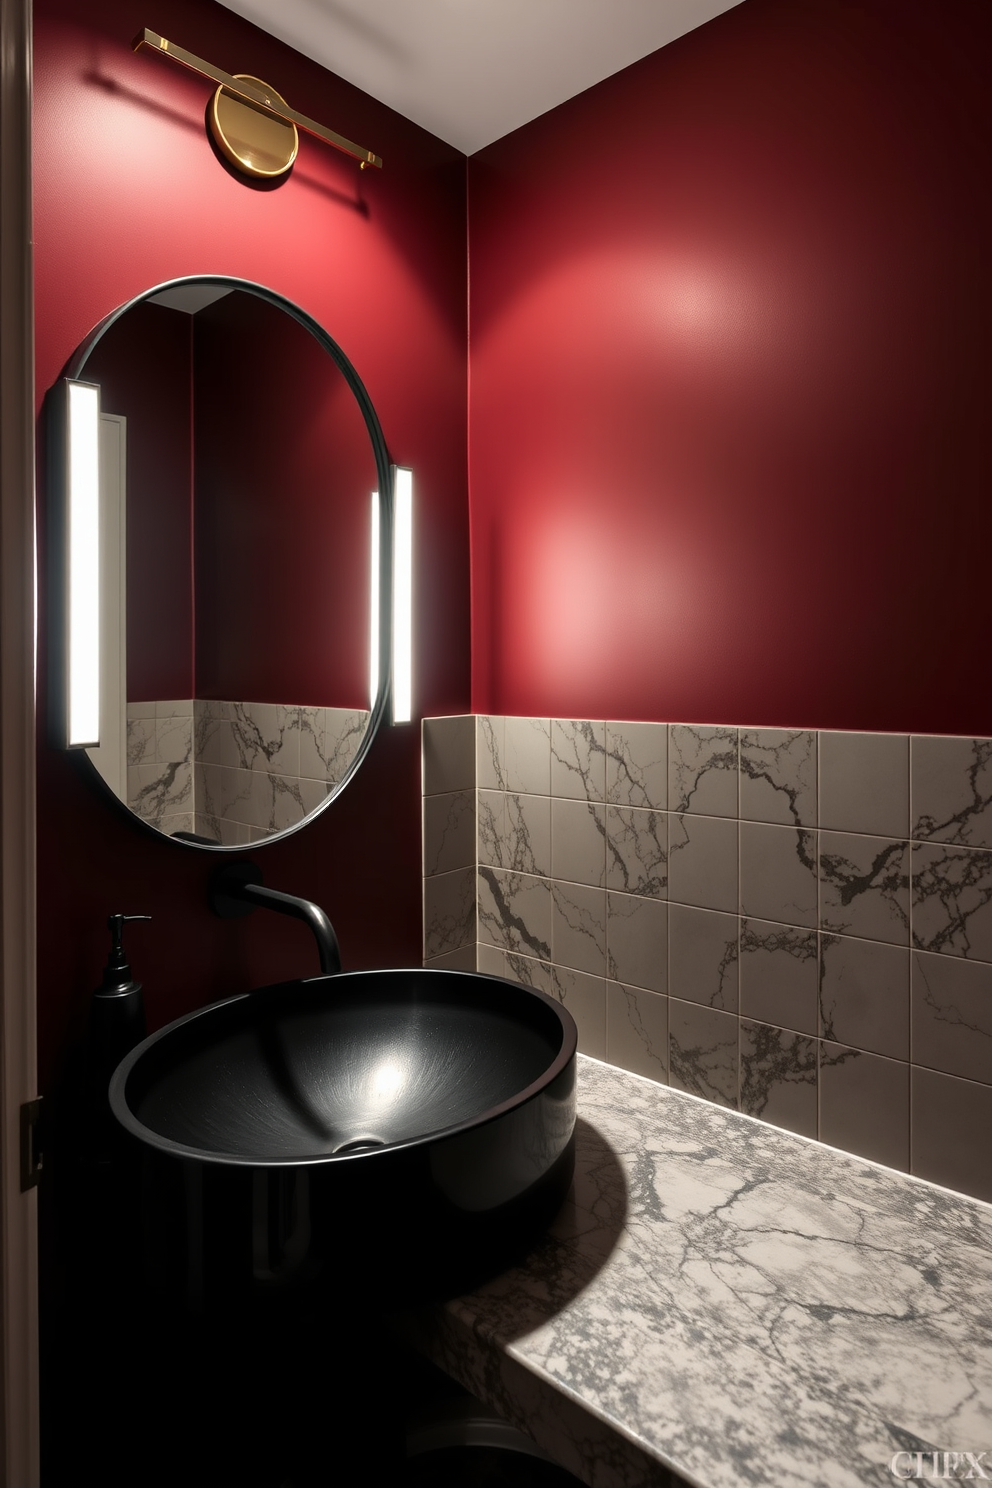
(726, 1303)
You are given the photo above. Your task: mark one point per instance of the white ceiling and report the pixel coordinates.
(470, 71)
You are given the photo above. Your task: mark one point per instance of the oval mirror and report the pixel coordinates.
(242, 470)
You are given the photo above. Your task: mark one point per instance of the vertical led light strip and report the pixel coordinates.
(82, 564)
(374, 611)
(402, 594)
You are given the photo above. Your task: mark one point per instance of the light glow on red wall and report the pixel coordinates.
(729, 387)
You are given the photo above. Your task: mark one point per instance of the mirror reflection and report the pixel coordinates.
(237, 473)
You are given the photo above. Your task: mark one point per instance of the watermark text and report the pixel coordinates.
(959, 1466)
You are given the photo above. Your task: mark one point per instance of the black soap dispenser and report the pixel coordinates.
(117, 1010)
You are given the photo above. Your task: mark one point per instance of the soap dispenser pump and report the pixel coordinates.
(117, 1010)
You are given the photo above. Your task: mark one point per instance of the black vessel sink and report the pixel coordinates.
(407, 1129)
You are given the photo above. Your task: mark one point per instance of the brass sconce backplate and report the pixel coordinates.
(252, 125)
(256, 144)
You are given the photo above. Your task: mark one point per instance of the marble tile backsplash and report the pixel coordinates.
(796, 924)
(160, 763)
(235, 772)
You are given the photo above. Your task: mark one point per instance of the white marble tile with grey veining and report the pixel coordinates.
(778, 970)
(864, 886)
(490, 827)
(864, 995)
(266, 765)
(490, 959)
(702, 769)
(637, 851)
(527, 755)
(314, 793)
(637, 1030)
(703, 1052)
(515, 912)
(219, 829)
(448, 747)
(734, 1304)
(578, 842)
(179, 821)
(213, 740)
(584, 996)
(155, 791)
(462, 959)
(344, 731)
(212, 708)
(526, 844)
(141, 739)
(531, 971)
(225, 793)
(778, 1076)
(778, 776)
(952, 1015)
(449, 912)
(637, 765)
(276, 801)
(490, 747)
(952, 900)
(268, 736)
(313, 743)
(703, 956)
(778, 873)
(864, 1104)
(249, 736)
(951, 786)
(951, 1120)
(174, 739)
(703, 856)
(637, 941)
(161, 739)
(449, 832)
(578, 759)
(864, 783)
(330, 738)
(578, 936)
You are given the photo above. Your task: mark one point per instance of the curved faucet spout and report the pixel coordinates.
(238, 888)
(301, 909)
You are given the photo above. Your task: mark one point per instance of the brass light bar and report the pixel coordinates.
(253, 97)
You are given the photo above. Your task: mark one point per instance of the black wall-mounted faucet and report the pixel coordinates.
(237, 889)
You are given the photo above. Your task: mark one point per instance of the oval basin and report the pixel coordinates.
(411, 1129)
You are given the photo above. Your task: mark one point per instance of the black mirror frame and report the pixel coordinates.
(74, 370)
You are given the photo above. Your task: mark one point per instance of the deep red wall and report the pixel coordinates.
(729, 373)
(284, 474)
(128, 193)
(143, 366)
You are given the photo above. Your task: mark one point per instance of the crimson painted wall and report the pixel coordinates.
(157, 343)
(729, 330)
(284, 470)
(239, 423)
(128, 193)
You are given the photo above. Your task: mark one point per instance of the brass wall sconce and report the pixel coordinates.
(253, 125)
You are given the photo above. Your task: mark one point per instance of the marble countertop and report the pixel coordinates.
(726, 1303)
